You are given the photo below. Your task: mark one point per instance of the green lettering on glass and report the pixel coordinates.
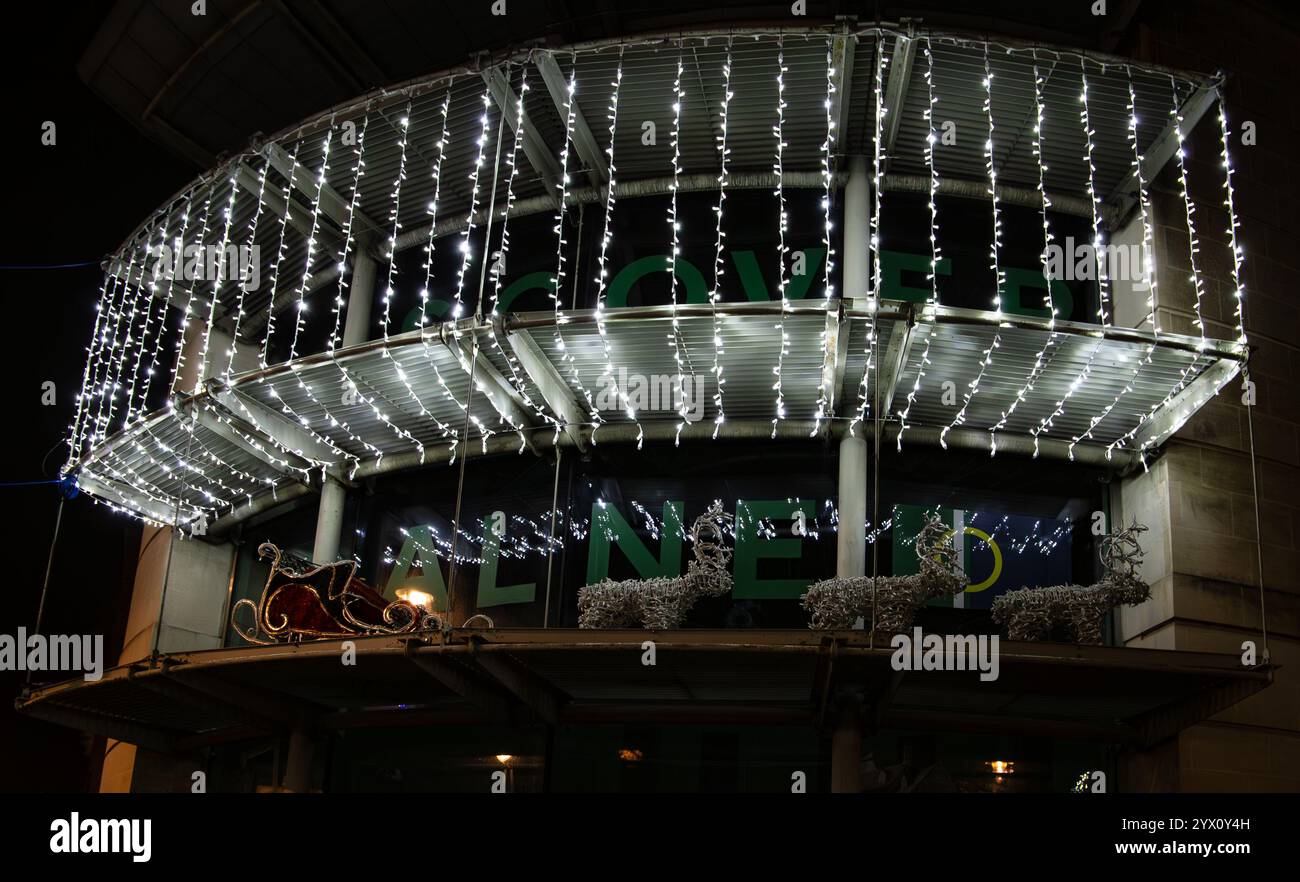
(1020, 279)
(797, 286)
(418, 555)
(751, 546)
(608, 527)
(894, 263)
(687, 274)
(489, 592)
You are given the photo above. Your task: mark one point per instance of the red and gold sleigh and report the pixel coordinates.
(303, 600)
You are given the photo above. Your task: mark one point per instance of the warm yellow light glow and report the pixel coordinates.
(504, 758)
(1002, 767)
(630, 755)
(415, 598)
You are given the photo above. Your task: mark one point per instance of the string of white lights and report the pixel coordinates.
(1238, 254)
(178, 245)
(219, 277)
(1094, 201)
(75, 428)
(149, 280)
(675, 334)
(824, 394)
(557, 283)
(103, 355)
(1193, 362)
(609, 375)
(715, 293)
(877, 179)
(931, 142)
(500, 262)
(349, 235)
(972, 389)
(995, 252)
(134, 290)
(782, 225)
(247, 271)
(300, 309)
(1040, 358)
(286, 194)
(444, 139)
(1148, 270)
(1189, 208)
(465, 247)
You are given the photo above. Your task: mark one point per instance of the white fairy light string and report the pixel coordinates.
(114, 383)
(74, 430)
(608, 376)
(973, 389)
(557, 282)
(1040, 358)
(715, 294)
(178, 242)
(300, 309)
(448, 433)
(219, 277)
(931, 142)
(995, 252)
(286, 194)
(1094, 201)
(824, 394)
(102, 352)
(1103, 287)
(1189, 208)
(1238, 254)
(466, 249)
(243, 282)
(783, 221)
(877, 178)
(151, 281)
(1148, 269)
(674, 337)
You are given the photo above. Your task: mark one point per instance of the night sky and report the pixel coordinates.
(71, 203)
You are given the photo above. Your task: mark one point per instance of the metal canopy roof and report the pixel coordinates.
(189, 699)
(243, 451)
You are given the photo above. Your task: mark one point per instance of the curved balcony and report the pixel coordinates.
(365, 331)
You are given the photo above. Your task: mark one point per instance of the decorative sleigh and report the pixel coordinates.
(304, 600)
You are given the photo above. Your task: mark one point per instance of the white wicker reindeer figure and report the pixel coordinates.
(663, 602)
(837, 603)
(1030, 613)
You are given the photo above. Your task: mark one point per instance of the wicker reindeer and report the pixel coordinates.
(663, 602)
(837, 603)
(1031, 613)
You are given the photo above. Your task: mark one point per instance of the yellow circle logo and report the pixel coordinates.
(997, 558)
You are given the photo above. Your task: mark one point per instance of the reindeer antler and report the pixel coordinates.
(932, 545)
(1122, 549)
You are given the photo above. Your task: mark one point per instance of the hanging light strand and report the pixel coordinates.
(720, 235)
(1238, 254)
(243, 282)
(1040, 358)
(995, 252)
(609, 377)
(561, 258)
(931, 142)
(824, 395)
(1094, 202)
(1189, 209)
(674, 336)
(783, 222)
(877, 178)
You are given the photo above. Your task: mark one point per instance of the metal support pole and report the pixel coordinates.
(361, 294)
(329, 521)
(857, 231)
(356, 329)
(851, 549)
